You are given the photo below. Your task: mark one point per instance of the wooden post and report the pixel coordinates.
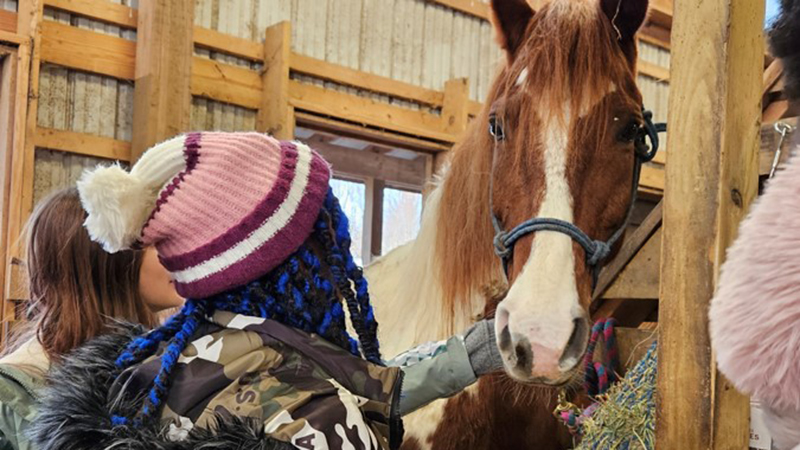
(455, 114)
(276, 115)
(711, 179)
(20, 203)
(162, 97)
(376, 217)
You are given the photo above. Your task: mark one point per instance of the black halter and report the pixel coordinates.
(596, 251)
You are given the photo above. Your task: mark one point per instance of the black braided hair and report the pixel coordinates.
(784, 37)
(305, 292)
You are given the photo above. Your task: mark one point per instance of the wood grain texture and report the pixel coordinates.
(711, 179)
(275, 113)
(88, 51)
(103, 10)
(83, 144)
(162, 95)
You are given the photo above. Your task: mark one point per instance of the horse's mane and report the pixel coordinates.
(569, 48)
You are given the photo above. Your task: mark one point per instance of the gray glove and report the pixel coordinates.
(484, 356)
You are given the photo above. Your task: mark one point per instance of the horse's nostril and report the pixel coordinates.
(576, 346)
(523, 354)
(505, 340)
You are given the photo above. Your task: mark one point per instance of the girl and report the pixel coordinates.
(76, 290)
(260, 356)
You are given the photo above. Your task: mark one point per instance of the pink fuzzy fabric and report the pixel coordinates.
(755, 315)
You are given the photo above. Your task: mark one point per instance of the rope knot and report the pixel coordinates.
(600, 251)
(500, 248)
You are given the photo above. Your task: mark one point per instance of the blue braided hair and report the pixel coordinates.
(306, 291)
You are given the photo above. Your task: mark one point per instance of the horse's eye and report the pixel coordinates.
(630, 132)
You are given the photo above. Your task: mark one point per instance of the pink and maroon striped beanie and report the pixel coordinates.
(221, 209)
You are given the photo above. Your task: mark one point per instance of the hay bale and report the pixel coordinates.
(625, 416)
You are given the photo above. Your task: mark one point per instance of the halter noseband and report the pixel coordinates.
(596, 251)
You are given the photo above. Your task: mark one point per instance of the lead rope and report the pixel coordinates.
(598, 375)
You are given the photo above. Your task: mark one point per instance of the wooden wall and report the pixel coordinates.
(414, 41)
(655, 90)
(81, 102)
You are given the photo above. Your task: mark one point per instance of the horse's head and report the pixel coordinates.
(566, 112)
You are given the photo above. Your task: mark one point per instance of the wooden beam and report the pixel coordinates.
(640, 278)
(87, 50)
(162, 95)
(771, 76)
(225, 43)
(455, 112)
(366, 111)
(655, 35)
(652, 70)
(384, 137)
(8, 21)
(226, 83)
(630, 247)
(8, 98)
(29, 20)
(475, 8)
(661, 12)
(12, 38)
(83, 144)
(711, 180)
(362, 80)
(102, 10)
(776, 111)
(369, 164)
(276, 112)
(652, 177)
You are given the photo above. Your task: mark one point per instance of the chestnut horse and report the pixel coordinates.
(568, 109)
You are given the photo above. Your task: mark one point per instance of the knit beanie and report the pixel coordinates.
(221, 209)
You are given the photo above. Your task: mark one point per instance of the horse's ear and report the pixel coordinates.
(626, 17)
(510, 19)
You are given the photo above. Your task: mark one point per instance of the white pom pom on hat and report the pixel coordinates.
(118, 203)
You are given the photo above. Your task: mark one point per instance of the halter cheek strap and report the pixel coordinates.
(596, 251)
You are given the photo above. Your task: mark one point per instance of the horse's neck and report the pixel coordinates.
(406, 291)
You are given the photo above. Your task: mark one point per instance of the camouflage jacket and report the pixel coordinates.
(303, 389)
(243, 382)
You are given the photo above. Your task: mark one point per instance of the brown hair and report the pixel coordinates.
(77, 289)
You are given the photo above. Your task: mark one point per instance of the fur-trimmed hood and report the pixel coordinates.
(75, 412)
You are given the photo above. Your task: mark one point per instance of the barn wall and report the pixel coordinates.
(414, 41)
(408, 40)
(655, 93)
(77, 101)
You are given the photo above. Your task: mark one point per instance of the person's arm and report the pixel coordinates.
(435, 371)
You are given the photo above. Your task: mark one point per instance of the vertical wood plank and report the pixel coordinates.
(162, 96)
(276, 116)
(454, 111)
(711, 179)
(25, 112)
(376, 237)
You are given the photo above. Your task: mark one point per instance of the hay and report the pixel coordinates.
(625, 416)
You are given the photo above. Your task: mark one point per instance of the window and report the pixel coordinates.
(352, 197)
(402, 214)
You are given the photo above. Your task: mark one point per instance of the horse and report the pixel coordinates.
(554, 140)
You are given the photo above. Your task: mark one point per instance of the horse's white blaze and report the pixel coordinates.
(544, 298)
